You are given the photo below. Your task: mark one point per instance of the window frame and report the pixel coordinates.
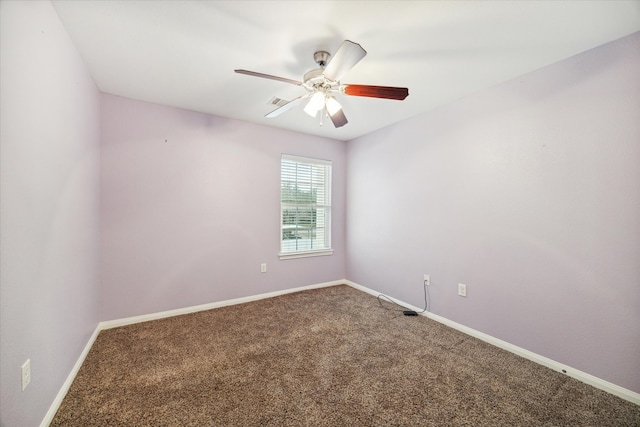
(325, 206)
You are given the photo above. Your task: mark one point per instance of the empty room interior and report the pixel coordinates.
(476, 164)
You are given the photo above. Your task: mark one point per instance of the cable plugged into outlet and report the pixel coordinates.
(25, 371)
(405, 310)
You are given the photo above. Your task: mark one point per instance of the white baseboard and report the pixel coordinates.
(67, 384)
(193, 309)
(584, 377)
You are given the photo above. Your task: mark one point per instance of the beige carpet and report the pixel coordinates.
(325, 357)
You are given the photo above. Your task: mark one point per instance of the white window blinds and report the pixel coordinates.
(305, 191)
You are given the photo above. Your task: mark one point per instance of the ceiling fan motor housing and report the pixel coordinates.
(314, 76)
(314, 80)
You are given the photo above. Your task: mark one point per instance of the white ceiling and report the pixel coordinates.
(183, 53)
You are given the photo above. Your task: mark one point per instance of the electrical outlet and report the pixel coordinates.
(263, 267)
(25, 370)
(462, 289)
(427, 280)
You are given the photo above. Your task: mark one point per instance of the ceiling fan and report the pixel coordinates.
(322, 84)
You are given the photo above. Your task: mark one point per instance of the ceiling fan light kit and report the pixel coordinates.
(323, 83)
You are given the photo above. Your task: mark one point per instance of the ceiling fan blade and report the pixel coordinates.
(286, 107)
(386, 92)
(268, 76)
(338, 118)
(347, 56)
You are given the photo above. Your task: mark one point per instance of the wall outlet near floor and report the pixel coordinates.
(427, 280)
(462, 289)
(25, 370)
(263, 267)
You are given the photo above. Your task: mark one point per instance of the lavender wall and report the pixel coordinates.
(529, 193)
(190, 209)
(49, 142)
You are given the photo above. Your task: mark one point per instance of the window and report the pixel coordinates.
(305, 207)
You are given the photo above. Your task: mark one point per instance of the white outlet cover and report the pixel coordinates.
(25, 371)
(462, 289)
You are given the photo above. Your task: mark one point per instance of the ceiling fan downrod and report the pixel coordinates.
(321, 58)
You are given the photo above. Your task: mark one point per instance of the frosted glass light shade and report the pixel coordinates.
(315, 104)
(333, 106)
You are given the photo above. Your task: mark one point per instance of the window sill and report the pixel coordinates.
(306, 254)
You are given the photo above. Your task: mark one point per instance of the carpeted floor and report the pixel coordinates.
(324, 357)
